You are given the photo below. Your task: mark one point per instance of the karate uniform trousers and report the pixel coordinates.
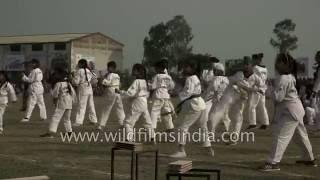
(162, 109)
(113, 102)
(85, 98)
(193, 112)
(288, 124)
(210, 106)
(257, 105)
(231, 104)
(139, 107)
(5, 91)
(33, 100)
(63, 109)
(65, 115)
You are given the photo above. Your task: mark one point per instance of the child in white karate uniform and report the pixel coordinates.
(311, 115)
(162, 108)
(6, 92)
(35, 91)
(193, 110)
(138, 94)
(64, 97)
(233, 101)
(111, 82)
(208, 74)
(257, 102)
(216, 89)
(288, 118)
(82, 80)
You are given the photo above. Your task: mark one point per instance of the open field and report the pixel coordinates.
(23, 153)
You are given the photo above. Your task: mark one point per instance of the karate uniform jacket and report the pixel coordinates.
(191, 88)
(65, 99)
(7, 90)
(139, 93)
(161, 84)
(35, 80)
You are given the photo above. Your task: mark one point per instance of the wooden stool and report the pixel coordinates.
(135, 152)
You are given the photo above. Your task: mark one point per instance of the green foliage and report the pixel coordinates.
(285, 40)
(170, 40)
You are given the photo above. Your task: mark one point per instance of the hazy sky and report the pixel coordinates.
(223, 28)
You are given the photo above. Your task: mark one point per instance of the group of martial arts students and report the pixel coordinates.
(205, 99)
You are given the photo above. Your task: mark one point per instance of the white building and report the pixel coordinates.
(59, 50)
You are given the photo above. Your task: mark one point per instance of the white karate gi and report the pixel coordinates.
(257, 101)
(35, 92)
(64, 102)
(288, 120)
(162, 108)
(85, 96)
(193, 111)
(217, 88)
(231, 102)
(310, 116)
(113, 99)
(6, 90)
(207, 75)
(138, 93)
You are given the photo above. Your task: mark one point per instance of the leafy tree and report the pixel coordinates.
(180, 35)
(285, 40)
(156, 45)
(170, 40)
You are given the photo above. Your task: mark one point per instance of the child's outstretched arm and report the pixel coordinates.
(132, 91)
(34, 76)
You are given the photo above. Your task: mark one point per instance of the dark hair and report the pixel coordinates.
(214, 59)
(65, 77)
(194, 65)
(165, 62)
(161, 65)
(260, 55)
(142, 72)
(112, 64)
(35, 62)
(254, 56)
(83, 63)
(288, 60)
(4, 73)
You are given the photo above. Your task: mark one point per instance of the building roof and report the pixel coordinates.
(46, 38)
